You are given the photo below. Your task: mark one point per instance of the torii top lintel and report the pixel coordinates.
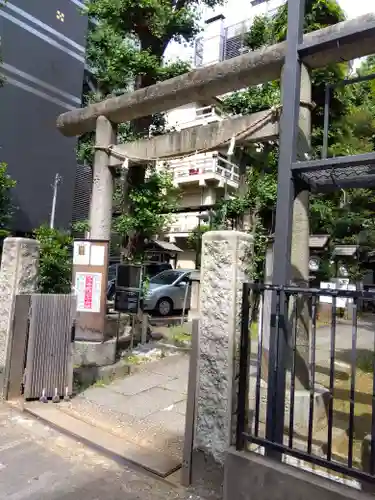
(341, 42)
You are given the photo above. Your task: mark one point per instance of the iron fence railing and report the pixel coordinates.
(339, 358)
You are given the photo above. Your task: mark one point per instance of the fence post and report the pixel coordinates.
(18, 275)
(223, 272)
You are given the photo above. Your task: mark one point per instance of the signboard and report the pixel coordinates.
(97, 255)
(81, 253)
(86, 253)
(88, 291)
(127, 301)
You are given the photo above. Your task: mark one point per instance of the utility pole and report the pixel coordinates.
(55, 184)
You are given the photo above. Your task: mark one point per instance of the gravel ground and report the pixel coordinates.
(36, 463)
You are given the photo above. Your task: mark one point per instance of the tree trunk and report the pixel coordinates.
(133, 244)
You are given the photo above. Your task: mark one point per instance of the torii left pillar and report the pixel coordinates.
(102, 187)
(93, 345)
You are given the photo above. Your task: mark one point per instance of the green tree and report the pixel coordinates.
(194, 241)
(126, 47)
(55, 264)
(154, 202)
(7, 184)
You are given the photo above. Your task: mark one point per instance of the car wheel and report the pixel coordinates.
(164, 306)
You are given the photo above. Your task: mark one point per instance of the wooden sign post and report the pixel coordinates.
(90, 281)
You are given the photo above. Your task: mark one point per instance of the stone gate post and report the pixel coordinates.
(225, 256)
(18, 275)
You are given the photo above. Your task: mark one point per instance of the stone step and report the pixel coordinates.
(115, 447)
(151, 433)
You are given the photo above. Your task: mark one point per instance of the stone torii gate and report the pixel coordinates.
(322, 47)
(342, 42)
(318, 49)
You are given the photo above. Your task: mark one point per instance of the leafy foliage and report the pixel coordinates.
(55, 264)
(81, 227)
(194, 241)
(154, 202)
(7, 184)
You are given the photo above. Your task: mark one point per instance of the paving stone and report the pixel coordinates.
(139, 382)
(143, 404)
(181, 408)
(169, 420)
(179, 384)
(180, 368)
(108, 399)
(172, 366)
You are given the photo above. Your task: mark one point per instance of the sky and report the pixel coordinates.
(235, 11)
(355, 8)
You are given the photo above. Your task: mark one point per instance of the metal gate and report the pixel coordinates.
(41, 357)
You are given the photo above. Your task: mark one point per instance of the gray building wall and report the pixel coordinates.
(43, 52)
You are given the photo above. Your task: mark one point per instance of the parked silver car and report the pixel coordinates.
(167, 290)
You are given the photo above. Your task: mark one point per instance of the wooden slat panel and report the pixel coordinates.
(18, 347)
(49, 350)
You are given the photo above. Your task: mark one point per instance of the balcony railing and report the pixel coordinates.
(184, 223)
(204, 166)
(203, 116)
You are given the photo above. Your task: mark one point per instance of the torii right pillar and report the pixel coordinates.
(300, 254)
(300, 248)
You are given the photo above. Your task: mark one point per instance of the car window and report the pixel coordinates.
(154, 269)
(165, 278)
(185, 278)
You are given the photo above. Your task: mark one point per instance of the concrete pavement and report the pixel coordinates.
(140, 418)
(37, 463)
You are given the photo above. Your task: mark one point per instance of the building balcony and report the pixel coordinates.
(230, 41)
(203, 169)
(183, 225)
(201, 116)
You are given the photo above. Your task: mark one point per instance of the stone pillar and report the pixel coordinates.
(300, 237)
(209, 196)
(267, 308)
(102, 188)
(300, 252)
(223, 272)
(18, 275)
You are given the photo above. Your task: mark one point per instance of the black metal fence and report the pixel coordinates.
(307, 367)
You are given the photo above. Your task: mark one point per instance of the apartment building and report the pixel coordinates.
(206, 177)
(203, 178)
(43, 53)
